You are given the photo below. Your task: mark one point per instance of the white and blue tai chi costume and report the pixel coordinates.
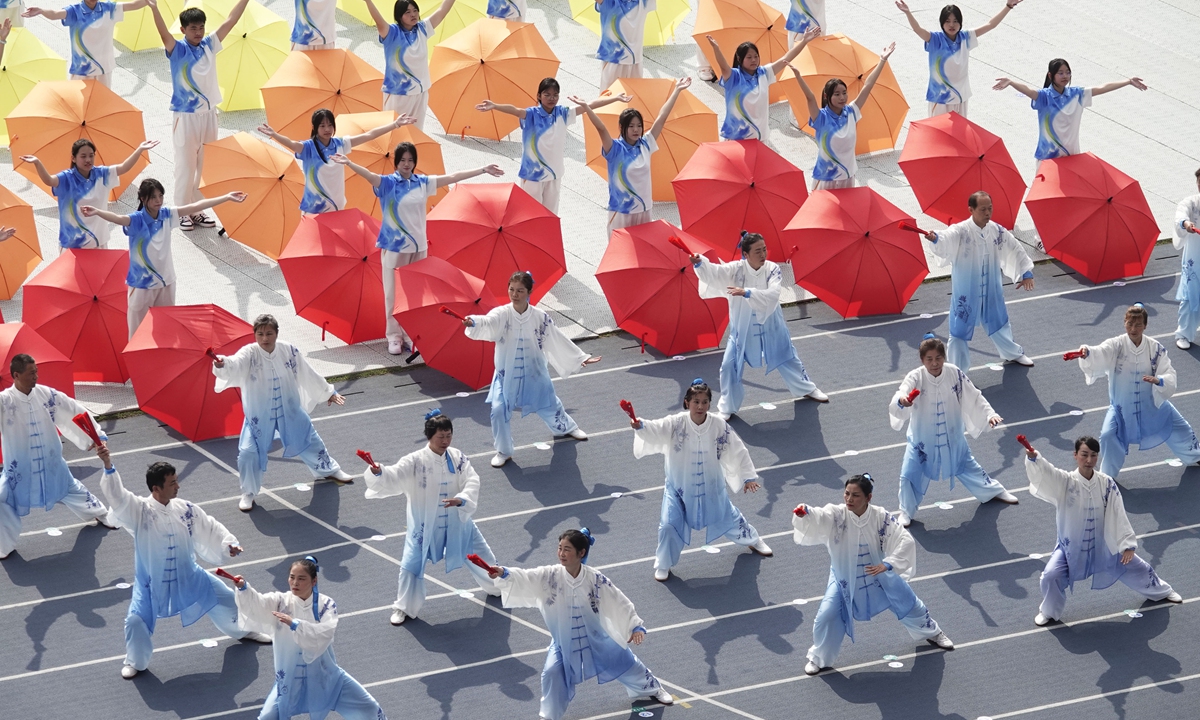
(1187, 218)
(167, 538)
(35, 473)
(1093, 532)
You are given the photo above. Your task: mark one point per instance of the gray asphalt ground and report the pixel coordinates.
(729, 631)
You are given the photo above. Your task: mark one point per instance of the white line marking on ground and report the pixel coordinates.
(1098, 696)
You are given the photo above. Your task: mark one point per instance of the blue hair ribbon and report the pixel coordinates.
(315, 593)
(591, 541)
(697, 381)
(929, 336)
(433, 413)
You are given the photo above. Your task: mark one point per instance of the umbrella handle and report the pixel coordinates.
(904, 225)
(212, 354)
(324, 326)
(463, 134)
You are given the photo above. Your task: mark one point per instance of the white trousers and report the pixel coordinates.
(188, 134)
(410, 589)
(833, 184)
(618, 220)
(942, 109)
(611, 72)
(13, 13)
(546, 192)
(105, 79)
(139, 643)
(415, 105)
(391, 261)
(140, 300)
(323, 46)
(78, 500)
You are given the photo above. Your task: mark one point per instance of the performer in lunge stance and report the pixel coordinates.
(1187, 241)
(303, 623)
(591, 623)
(443, 494)
(1095, 538)
(872, 558)
(758, 335)
(526, 338)
(168, 533)
(978, 251)
(32, 418)
(279, 390)
(1141, 381)
(948, 404)
(705, 461)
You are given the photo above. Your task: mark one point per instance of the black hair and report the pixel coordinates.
(192, 16)
(829, 89)
(698, 387)
(157, 474)
(932, 344)
(578, 540)
(1092, 443)
(524, 277)
(748, 240)
(266, 320)
(78, 145)
(547, 84)
(863, 482)
(319, 117)
(309, 564)
(404, 147)
(146, 189)
(1055, 65)
(739, 55)
(1198, 173)
(401, 8)
(627, 115)
(435, 423)
(1138, 310)
(947, 12)
(20, 363)
(973, 201)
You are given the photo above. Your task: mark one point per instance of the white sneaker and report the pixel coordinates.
(1007, 498)
(811, 668)
(661, 574)
(1174, 597)
(398, 617)
(341, 477)
(395, 346)
(128, 672)
(1182, 344)
(1023, 360)
(663, 697)
(818, 396)
(903, 518)
(258, 637)
(940, 640)
(578, 434)
(1042, 621)
(246, 504)
(762, 548)
(706, 74)
(498, 460)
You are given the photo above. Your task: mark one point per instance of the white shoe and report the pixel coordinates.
(661, 574)
(818, 396)
(1007, 498)
(341, 477)
(1182, 344)
(1042, 621)
(395, 346)
(1174, 597)
(940, 640)
(398, 617)
(128, 672)
(246, 504)
(255, 636)
(663, 697)
(498, 460)
(903, 518)
(762, 548)
(811, 668)
(578, 434)
(1023, 360)
(706, 74)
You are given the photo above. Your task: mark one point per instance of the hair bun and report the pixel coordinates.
(433, 413)
(313, 559)
(697, 381)
(929, 336)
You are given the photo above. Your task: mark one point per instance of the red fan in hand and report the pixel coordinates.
(222, 572)
(800, 511)
(475, 559)
(628, 408)
(450, 312)
(679, 243)
(913, 395)
(366, 457)
(1073, 355)
(1024, 441)
(85, 424)
(904, 225)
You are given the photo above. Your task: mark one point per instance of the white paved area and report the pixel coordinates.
(1150, 135)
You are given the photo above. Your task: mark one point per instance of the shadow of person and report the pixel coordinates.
(790, 441)
(1172, 506)
(899, 695)
(204, 693)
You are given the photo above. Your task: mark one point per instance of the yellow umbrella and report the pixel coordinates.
(137, 32)
(461, 15)
(660, 24)
(27, 61)
(251, 53)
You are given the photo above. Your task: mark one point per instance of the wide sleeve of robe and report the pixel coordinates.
(899, 549)
(236, 372)
(255, 608)
(816, 527)
(68, 408)
(897, 415)
(314, 637)
(1014, 261)
(314, 389)
(975, 407)
(524, 588)
(126, 507)
(654, 437)
(210, 538)
(736, 464)
(946, 248)
(763, 301)
(563, 355)
(488, 328)
(714, 278)
(469, 481)
(1101, 359)
(1186, 211)
(1046, 482)
(393, 480)
(617, 613)
(1118, 532)
(1165, 371)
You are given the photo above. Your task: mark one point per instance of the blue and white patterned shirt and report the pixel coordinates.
(406, 55)
(402, 203)
(1059, 116)
(73, 192)
(622, 27)
(324, 180)
(630, 186)
(543, 140)
(949, 83)
(194, 75)
(836, 137)
(315, 22)
(747, 104)
(150, 264)
(91, 31)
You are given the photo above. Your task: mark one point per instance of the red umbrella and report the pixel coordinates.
(653, 291)
(491, 230)
(172, 374)
(422, 289)
(54, 369)
(727, 187)
(1092, 216)
(78, 304)
(334, 274)
(947, 157)
(848, 251)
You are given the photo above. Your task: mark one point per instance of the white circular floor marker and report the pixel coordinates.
(302, 487)
(944, 506)
(209, 643)
(542, 446)
(677, 357)
(851, 452)
(615, 495)
(895, 664)
(53, 532)
(800, 601)
(1175, 462)
(122, 586)
(767, 406)
(1119, 283)
(710, 549)
(1075, 412)
(462, 394)
(1035, 556)
(465, 594)
(925, 316)
(379, 538)
(995, 366)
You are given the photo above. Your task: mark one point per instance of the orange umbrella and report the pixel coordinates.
(273, 184)
(376, 156)
(21, 253)
(691, 124)
(837, 56)
(57, 113)
(491, 59)
(733, 22)
(309, 80)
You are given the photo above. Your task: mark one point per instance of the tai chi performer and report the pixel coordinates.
(90, 24)
(834, 123)
(526, 339)
(544, 138)
(33, 420)
(758, 336)
(314, 26)
(949, 53)
(406, 56)
(1187, 240)
(948, 405)
(84, 183)
(1095, 538)
(443, 494)
(978, 252)
(747, 98)
(302, 623)
(705, 461)
(1141, 382)
(279, 389)
(622, 31)
(872, 558)
(402, 197)
(591, 625)
(168, 533)
(151, 276)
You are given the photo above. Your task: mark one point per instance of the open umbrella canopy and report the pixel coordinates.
(461, 15)
(731, 186)
(137, 31)
(491, 230)
(309, 80)
(57, 113)
(733, 22)
(376, 156)
(54, 369)
(500, 60)
(273, 184)
(422, 288)
(653, 292)
(837, 56)
(947, 158)
(334, 274)
(27, 61)
(172, 374)
(690, 125)
(661, 22)
(21, 253)
(848, 250)
(1092, 216)
(250, 54)
(78, 304)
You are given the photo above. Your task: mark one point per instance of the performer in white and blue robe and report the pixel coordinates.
(32, 418)
(1141, 382)
(1095, 537)
(978, 251)
(758, 335)
(168, 534)
(1187, 242)
(443, 494)
(872, 558)
(307, 677)
(590, 621)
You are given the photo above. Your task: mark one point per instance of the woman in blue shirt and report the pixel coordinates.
(747, 101)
